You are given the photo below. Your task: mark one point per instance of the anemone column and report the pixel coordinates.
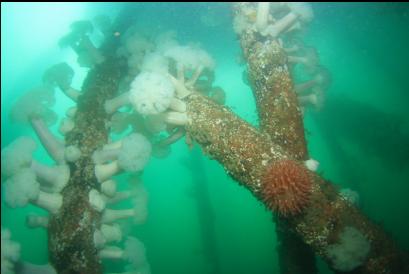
(71, 230)
(312, 207)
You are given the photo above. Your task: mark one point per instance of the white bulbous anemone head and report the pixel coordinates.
(135, 152)
(151, 93)
(17, 155)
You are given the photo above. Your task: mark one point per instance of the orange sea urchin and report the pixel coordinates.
(286, 187)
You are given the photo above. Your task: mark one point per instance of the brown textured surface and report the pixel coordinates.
(242, 150)
(246, 153)
(277, 104)
(281, 118)
(71, 230)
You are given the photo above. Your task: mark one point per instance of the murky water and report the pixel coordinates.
(194, 217)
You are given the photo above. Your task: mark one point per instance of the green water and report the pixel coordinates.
(360, 136)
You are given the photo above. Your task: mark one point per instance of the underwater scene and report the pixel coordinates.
(204, 138)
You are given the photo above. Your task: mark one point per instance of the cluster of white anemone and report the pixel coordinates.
(110, 233)
(34, 107)
(133, 253)
(272, 19)
(30, 181)
(129, 154)
(79, 40)
(158, 88)
(280, 21)
(10, 258)
(10, 252)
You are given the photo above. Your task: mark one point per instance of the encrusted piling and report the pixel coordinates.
(249, 155)
(71, 230)
(277, 104)
(281, 118)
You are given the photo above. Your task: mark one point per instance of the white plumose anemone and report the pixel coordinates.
(134, 252)
(350, 251)
(23, 188)
(136, 150)
(10, 252)
(151, 93)
(132, 154)
(17, 155)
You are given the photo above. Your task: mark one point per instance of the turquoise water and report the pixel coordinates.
(360, 136)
